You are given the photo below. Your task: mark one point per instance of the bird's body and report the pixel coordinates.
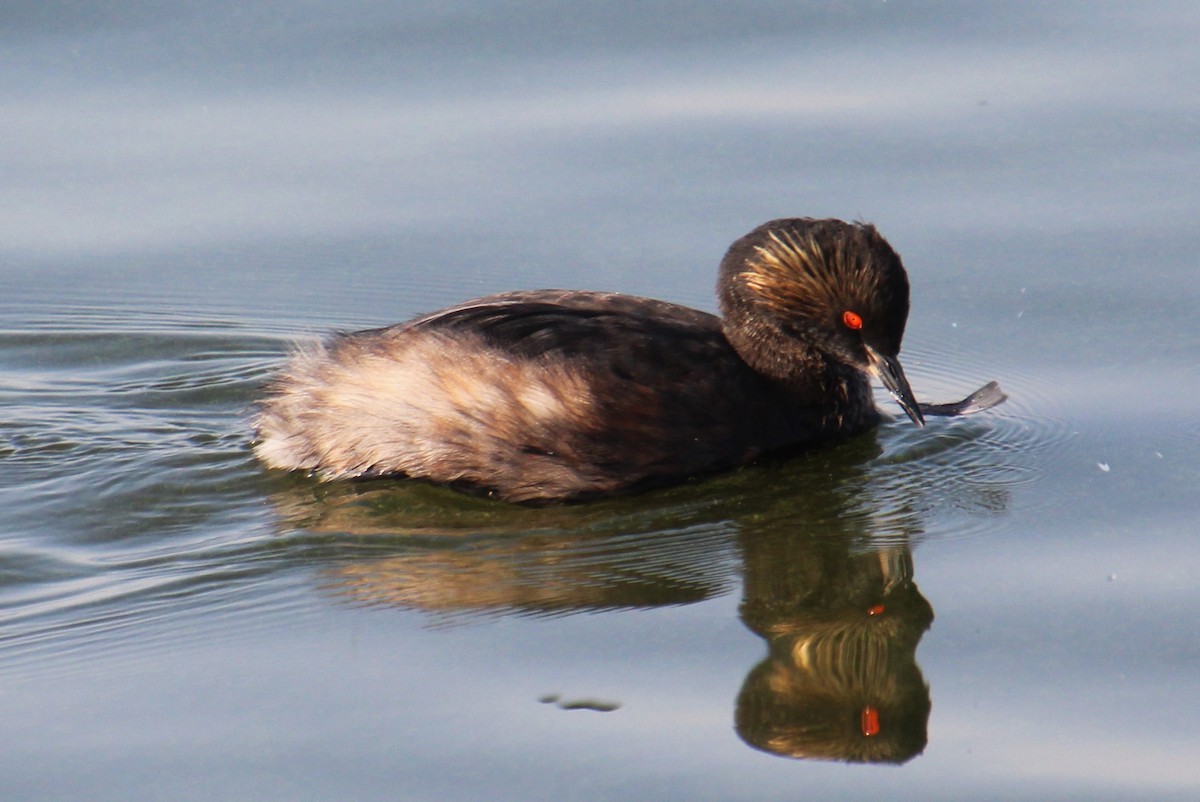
(558, 395)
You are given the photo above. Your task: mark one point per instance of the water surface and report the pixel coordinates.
(1003, 600)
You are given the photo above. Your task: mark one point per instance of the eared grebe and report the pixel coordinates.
(557, 395)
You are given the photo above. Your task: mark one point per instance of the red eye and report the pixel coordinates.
(852, 320)
(875, 609)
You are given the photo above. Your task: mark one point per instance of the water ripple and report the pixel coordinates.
(129, 485)
(970, 462)
(132, 496)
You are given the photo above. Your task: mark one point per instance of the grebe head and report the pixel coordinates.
(796, 285)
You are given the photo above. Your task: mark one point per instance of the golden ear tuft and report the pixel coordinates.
(788, 272)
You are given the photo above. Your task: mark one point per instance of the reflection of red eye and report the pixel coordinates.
(875, 609)
(870, 721)
(852, 320)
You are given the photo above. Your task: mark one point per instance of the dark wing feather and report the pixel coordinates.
(672, 395)
(579, 324)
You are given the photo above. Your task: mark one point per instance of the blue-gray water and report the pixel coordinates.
(188, 190)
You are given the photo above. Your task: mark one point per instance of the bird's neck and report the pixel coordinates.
(812, 379)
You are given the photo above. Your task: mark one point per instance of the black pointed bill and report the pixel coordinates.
(888, 369)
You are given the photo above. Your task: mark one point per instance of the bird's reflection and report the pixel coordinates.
(426, 548)
(840, 680)
(822, 545)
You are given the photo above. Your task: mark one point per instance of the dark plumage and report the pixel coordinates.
(555, 394)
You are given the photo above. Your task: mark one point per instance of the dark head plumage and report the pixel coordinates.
(828, 285)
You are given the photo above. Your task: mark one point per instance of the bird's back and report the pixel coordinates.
(533, 395)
